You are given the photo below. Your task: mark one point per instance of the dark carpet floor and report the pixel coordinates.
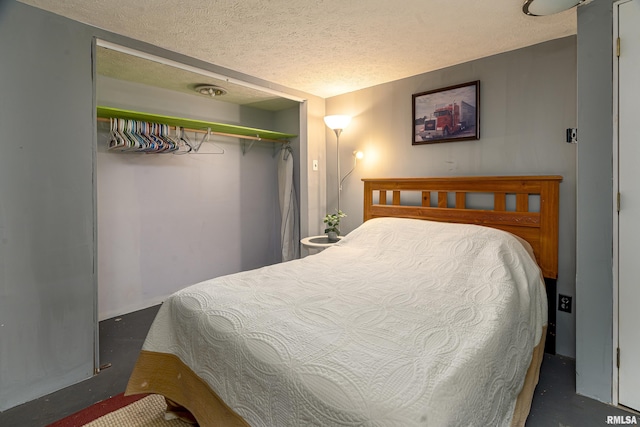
(555, 402)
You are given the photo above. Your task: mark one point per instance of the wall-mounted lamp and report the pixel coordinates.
(357, 155)
(548, 7)
(338, 123)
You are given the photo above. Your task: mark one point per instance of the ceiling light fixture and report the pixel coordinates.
(210, 90)
(548, 7)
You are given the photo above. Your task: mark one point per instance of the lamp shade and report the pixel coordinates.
(337, 121)
(548, 7)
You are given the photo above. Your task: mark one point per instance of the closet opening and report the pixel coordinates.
(166, 216)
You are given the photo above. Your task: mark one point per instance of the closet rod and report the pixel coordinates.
(254, 138)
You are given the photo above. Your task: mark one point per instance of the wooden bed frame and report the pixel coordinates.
(540, 229)
(157, 373)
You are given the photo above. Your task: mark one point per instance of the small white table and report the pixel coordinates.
(318, 242)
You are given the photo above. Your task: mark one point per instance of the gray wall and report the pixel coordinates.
(594, 281)
(46, 293)
(46, 204)
(167, 221)
(313, 184)
(47, 218)
(528, 99)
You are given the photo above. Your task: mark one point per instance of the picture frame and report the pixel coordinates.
(446, 115)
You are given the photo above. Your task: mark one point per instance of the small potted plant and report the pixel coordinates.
(333, 225)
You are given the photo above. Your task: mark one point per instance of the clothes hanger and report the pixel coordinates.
(184, 145)
(161, 131)
(206, 138)
(130, 142)
(115, 140)
(146, 137)
(196, 146)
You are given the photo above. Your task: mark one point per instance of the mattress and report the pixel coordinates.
(402, 323)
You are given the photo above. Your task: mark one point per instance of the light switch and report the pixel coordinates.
(315, 165)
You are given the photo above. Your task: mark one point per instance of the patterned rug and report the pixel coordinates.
(144, 412)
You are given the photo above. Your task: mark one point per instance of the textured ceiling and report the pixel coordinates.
(323, 47)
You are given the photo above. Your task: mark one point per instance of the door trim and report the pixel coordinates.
(614, 205)
(94, 160)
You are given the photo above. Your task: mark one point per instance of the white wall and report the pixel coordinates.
(527, 100)
(167, 221)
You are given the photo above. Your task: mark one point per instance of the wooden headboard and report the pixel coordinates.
(540, 229)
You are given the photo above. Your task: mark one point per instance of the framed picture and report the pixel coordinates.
(448, 114)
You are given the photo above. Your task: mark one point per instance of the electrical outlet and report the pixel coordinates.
(564, 303)
(572, 135)
(315, 165)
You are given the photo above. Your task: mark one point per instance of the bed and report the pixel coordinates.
(432, 312)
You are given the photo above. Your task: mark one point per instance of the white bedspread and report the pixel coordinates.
(402, 323)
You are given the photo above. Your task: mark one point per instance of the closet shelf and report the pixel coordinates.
(199, 126)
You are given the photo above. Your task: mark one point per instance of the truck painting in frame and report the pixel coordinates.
(448, 114)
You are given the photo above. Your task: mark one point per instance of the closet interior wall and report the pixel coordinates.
(167, 221)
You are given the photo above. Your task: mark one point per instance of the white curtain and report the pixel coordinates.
(289, 230)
